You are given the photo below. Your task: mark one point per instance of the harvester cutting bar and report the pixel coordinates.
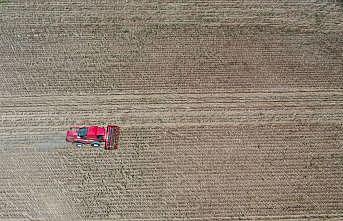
(112, 137)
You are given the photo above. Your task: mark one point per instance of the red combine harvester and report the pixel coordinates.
(95, 135)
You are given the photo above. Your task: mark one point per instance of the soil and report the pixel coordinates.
(228, 109)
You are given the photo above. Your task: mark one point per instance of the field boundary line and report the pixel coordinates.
(176, 93)
(286, 217)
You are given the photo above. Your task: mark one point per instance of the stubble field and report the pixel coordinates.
(228, 109)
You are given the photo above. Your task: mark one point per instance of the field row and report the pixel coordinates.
(150, 59)
(172, 11)
(292, 135)
(29, 119)
(55, 114)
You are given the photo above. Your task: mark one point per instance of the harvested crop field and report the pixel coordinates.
(229, 109)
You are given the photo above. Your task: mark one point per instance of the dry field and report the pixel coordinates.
(229, 109)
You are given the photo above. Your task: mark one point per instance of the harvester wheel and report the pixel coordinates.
(79, 145)
(95, 144)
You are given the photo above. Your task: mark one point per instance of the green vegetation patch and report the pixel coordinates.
(3, 2)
